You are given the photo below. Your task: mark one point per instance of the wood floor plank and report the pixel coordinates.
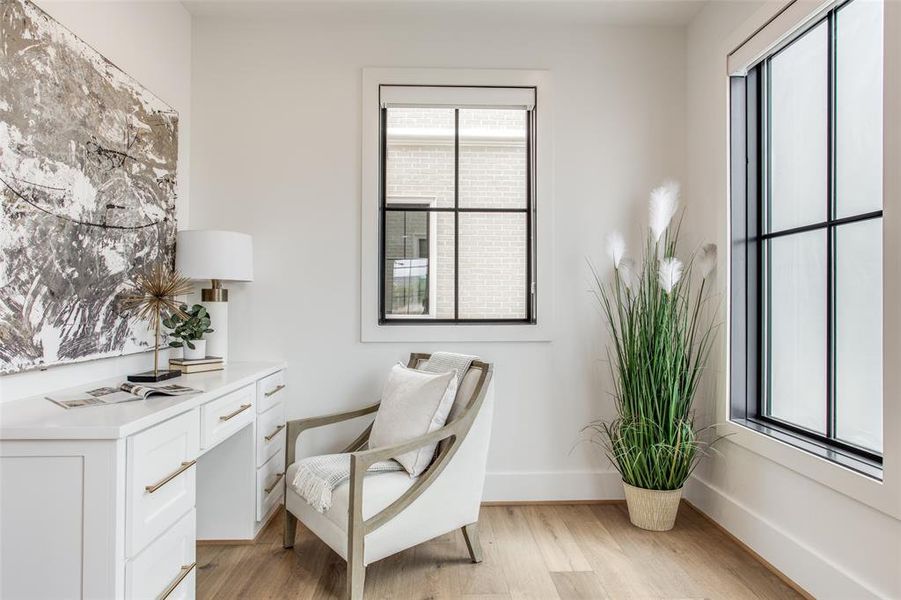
(663, 573)
(753, 574)
(578, 585)
(694, 554)
(212, 564)
(486, 578)
(620, 576)
(556, 543)
(445, 568)
(520, 559)
(597, 553)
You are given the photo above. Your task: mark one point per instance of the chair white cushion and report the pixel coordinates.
(413, 403)
(381, 490)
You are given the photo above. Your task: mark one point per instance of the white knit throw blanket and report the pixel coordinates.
(318, 476)
(445, 362)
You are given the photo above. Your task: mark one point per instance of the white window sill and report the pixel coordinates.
(884, 496)
(372, 332)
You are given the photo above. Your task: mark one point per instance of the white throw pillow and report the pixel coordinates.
(414, 403)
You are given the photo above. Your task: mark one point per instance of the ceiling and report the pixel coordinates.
(586, 12)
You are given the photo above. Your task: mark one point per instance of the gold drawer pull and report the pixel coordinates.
(241, 409)
(269, 437)
(275, 390)
(184, 467)
(278, 477)
(181, 575)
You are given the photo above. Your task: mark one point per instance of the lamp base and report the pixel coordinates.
(217, 342)
(217, 293)
(151, 377)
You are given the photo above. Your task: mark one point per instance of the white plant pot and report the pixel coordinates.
(654, 510)
(198, 352)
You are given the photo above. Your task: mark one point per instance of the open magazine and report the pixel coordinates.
(124, 393)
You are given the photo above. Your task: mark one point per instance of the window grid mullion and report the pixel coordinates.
(529, 295)
(764, 221)
(383, 215)
(456, 213)
(830, 231)
(876, 214)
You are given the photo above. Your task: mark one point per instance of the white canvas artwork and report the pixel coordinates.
(87, 184)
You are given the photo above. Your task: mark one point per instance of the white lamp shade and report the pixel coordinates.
(208, 254)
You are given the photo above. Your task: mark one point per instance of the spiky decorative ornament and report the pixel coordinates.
(154, 292)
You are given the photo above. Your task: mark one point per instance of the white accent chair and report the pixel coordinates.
(374, 517)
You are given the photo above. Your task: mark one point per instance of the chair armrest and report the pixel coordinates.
(298, 426)
(362, 460)
(366, 458)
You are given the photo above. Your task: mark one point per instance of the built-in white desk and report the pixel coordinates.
(108, 501)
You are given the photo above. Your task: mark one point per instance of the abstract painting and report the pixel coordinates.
(87, 186)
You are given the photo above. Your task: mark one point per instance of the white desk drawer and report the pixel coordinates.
(167, 568)
(224, 416)
(270, 433)
(160, 478)
(270, 485)
(269, 391)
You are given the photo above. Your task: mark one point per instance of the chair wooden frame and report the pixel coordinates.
(450, 438)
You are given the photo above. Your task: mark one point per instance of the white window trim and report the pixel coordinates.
(370, 329)
(884, 495)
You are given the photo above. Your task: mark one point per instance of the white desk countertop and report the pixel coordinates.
(36, 418)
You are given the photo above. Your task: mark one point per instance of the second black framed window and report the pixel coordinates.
(457, 195)
(807, 238)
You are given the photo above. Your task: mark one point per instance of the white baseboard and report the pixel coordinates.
(552, 486)
(795, 559)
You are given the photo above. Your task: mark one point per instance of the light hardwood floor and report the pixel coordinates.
(538, 551)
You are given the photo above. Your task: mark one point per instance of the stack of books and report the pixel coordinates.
(199, 365)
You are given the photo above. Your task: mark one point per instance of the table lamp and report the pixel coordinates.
(218, 256)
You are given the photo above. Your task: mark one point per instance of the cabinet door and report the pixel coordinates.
(41, 504)
(160, 474)
(61, 518)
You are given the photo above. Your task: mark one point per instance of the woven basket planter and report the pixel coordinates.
(654, 510)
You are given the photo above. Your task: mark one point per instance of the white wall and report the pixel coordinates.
(151, 41)
(830, 544)
(276, 153)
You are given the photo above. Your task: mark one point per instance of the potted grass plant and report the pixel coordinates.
(660, 343)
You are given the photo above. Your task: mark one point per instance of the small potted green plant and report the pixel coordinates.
(188, 330)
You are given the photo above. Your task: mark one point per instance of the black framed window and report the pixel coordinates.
(457, 235)
(806, 306)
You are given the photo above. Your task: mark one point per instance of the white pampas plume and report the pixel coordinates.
(663, 205)
(707, 259)
(669, 273)
(628, 274)
(616, 248)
